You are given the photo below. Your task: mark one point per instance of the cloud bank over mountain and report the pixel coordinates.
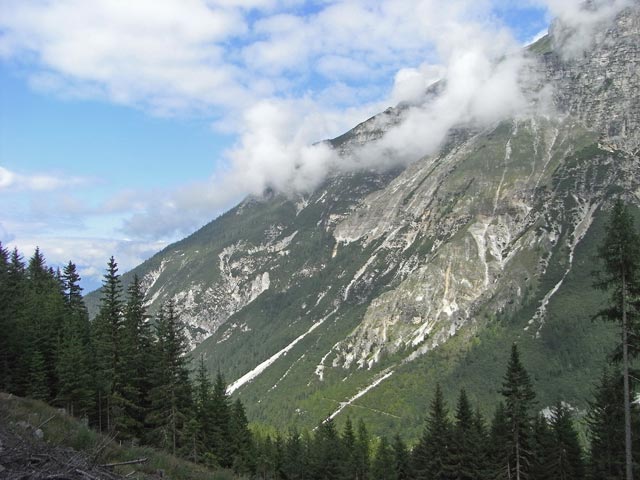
(279, 76)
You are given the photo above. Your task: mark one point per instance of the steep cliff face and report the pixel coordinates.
(600, 85)
(354, 298)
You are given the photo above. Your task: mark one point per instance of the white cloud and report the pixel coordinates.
(10, 180)
(580, 20)
(89, 254)
(5, 235)
(278, 78)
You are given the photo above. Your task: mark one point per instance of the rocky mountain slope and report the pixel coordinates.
(356, 298)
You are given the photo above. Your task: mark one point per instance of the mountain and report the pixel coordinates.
(357, 298)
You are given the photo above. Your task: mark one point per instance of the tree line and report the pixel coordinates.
(129, 374)
(126, 373)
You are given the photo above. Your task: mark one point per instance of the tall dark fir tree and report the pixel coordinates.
(620, 276)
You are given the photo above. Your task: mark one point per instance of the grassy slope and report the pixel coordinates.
(63, 430)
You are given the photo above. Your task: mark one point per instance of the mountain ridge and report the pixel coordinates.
(356, 297)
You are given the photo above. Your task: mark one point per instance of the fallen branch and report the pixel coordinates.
(46, 421)
(130, 462)
(86, 475)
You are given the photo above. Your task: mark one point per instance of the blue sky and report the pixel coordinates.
(127, 125)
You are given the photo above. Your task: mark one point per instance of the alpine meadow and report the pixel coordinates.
(450, 290)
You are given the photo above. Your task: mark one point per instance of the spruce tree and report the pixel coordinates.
(401, 459)
(566, 462)
(74, 367)
(382, 467)
(348, 442)
(242, 447)
(606, 429)
(108, 332)
(170, 397)
(467, 445)
(432, 456)
(500, 445)
(7, 340)
(41, 319)
(134, 363)
(362, 451)
(620, 275)
(294, 465)
(220, 411)
(18, 341)
(519, 399)
(327, 458)
(542, 450)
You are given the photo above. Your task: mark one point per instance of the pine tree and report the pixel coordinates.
(327, 458)
(41, 321)
(202, 390)
(220, 412)
(566, 461)
(542, 450)
(401, 459)
(242, 447)
(134, 363)
(170, 397)
(382, 467)
(362, 451)
(348, 441)
(74, 367)
(500, 445)
(14, 299)
(432, 456)
(7, 326)
(620, 255)
(519, 400)
(466, 449)
(294, 464)
(108, 331)
(606, 429)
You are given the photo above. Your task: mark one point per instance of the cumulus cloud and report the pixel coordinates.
(278, 75)
(89, 254)
(10, 180)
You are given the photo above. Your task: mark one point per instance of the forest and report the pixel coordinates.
(129, 373)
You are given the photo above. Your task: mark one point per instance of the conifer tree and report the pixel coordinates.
(327, 458)
(170, 397)
(500, 444)
(620, 275)
(382, 467)
(134, 363)
(202, 390)
(42, 318)
(242, 448)
(432, 456)
(108, 331)
(8, 341)
(606, 429)
(401, 459)
(348, 441)
(466, 449)
(566, 461)
(542, 450)
(362, 451)
(220, 411)
(13, 305)
(294, 464)
(519, 399)
(74, 367)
